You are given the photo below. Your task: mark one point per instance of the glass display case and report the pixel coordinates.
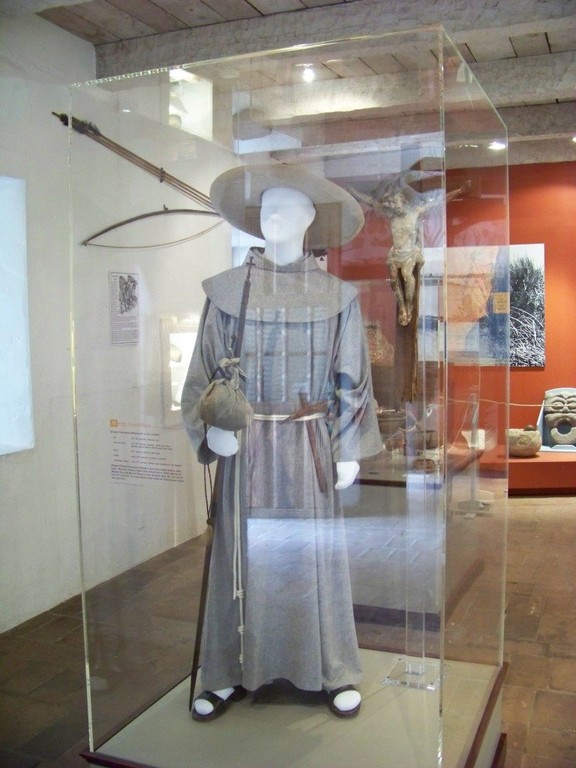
(355, 193)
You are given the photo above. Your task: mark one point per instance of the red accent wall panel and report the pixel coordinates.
(543, 210)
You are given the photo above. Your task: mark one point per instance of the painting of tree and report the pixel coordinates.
(527, 338)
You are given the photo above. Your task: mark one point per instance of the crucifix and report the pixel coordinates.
(404, 206)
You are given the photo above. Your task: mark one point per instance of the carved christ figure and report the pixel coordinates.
(404, 207)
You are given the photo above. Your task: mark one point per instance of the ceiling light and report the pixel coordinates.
(308, 75)
(177, 75)
(180, 75)
(497, 145)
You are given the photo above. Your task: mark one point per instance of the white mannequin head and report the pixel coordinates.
(285, 215)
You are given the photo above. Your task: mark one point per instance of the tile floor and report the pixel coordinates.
(42, 701)
(540, 644)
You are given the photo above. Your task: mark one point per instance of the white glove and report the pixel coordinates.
(221, 441)
(346, 472)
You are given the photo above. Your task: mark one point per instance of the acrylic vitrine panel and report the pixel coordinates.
(477, 310)
(365, 361)
(137, 306)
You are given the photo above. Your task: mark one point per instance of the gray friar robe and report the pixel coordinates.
(303, 334)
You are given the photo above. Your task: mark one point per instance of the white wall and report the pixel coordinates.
(123, 522)
(127, 518)
(38, 529)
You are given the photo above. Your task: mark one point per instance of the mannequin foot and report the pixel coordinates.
(211, 704)
(204, 706)
(344, 701)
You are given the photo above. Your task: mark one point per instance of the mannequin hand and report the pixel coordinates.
(346, 472)
(221, 441)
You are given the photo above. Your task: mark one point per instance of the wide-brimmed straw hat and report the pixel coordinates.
(236, 195)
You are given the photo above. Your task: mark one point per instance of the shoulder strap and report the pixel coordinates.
(242, 315)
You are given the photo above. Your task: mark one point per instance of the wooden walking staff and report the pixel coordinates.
(213, 510)
(204, 589)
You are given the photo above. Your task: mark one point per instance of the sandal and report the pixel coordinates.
(342, 712)
(220, 705)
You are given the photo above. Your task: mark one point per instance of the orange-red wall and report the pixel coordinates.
(542, 207)
(543, 210)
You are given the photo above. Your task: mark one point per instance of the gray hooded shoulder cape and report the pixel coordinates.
(286, 551)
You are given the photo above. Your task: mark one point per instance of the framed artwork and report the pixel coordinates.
(527, 337)
(477, 301)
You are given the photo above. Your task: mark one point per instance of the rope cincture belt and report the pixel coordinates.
(307, 412)
(283, 417)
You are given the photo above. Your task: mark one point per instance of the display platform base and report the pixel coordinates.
(397, 726)
(546, 474)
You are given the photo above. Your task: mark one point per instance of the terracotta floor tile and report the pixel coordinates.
(552, 744)
(554, 711)
(525, 604)
(538, 761)
(522, 627)
(563, 675)
(562, 650)
(57, 739)
(42, 700)
(517, 704)
(21, 719)
(524, 648)
(520, 574)
(555, 628)
(14, 759)
(561, 600)
(530, 671)
(514, 758)
(34, 675)
(516, 737)
(57, 628)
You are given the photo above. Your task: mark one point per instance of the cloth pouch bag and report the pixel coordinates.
(223, 404)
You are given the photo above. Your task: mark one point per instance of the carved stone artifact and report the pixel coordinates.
(525, 442)
(560, 416)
